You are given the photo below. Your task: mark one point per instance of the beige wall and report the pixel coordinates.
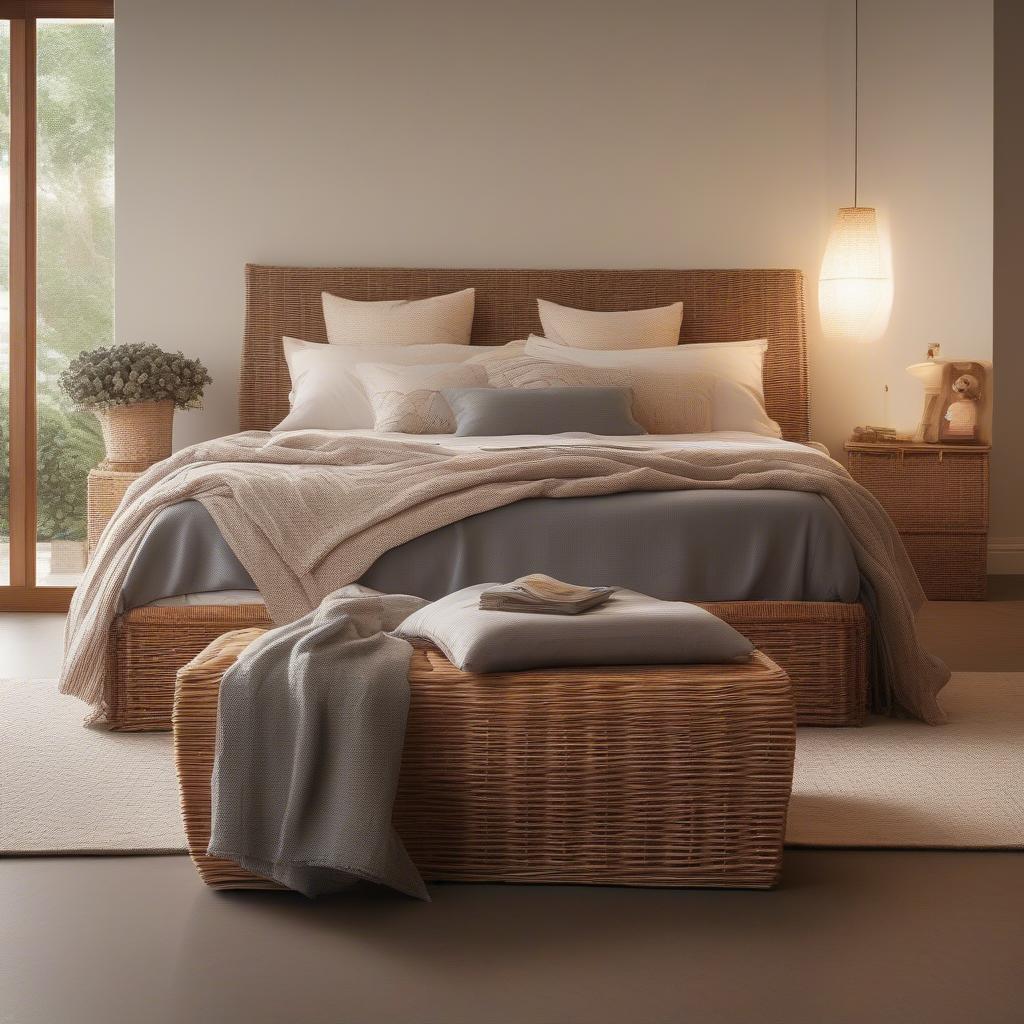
(562, 134)
(926, 164)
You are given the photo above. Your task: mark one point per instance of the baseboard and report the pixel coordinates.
(1005, 556)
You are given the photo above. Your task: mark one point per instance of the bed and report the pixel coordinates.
(823, 643)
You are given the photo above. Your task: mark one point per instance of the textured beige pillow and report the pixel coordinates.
(736, 366)
(325, 393)
(663, 403)
(440, 320)
(408, 399)
(491, 353)
(529, 372)
(634, 328)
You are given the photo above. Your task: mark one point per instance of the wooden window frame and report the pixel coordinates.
(22, 593)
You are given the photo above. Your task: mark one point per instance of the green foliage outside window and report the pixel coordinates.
(67, 445)
(75, 246)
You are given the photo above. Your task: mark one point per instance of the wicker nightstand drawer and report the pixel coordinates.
(922, 489)
(937, 495)
(105, 490)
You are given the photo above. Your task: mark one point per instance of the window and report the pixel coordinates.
(56, 281)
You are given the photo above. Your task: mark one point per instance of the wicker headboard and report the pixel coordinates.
(719, 305)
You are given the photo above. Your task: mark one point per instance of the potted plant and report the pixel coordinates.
(134, 390)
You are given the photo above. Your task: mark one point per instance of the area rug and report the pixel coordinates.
(904, 784)
(66, 789)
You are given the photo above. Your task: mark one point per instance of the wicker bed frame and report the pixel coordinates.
(822, 645)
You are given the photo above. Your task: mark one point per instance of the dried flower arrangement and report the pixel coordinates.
(127, 374)
(134, 390)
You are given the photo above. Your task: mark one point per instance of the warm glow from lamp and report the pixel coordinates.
(854, 290)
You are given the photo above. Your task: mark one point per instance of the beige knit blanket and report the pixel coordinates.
(307, 513)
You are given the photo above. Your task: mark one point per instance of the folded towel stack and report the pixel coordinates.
(542, 594)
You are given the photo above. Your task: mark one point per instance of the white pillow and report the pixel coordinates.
(662, 402)
(408, 399)
(440, 320)
(325, 393)
(738, 400)
(635, 328)
(493, 353)
(401, 354)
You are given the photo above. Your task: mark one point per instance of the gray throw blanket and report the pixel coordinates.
(310, 730)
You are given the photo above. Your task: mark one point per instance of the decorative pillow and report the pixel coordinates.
(635, 328)
(325, 393)
(663, 403)
(408, 399)
(442, 319)
(494, 412)
(495, 353)
(737, 367)
(628, 629)
(533, 372)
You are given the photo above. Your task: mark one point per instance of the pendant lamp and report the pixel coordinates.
(854, 289)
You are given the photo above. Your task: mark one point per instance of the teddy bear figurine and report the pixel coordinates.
(961, 418)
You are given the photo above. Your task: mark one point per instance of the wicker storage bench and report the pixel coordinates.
(650, 775)
(823, 646)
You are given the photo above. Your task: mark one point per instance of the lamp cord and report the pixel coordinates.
(856, 94)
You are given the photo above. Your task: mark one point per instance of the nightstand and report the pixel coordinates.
(105, 490)
(937, 495)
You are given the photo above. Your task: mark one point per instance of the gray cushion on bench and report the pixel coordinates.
(630, 629)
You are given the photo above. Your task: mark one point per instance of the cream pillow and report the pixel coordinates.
(738, 398)
(442, 319)
(663, 403)
(325, 393)
(490, 353)
(408, 399)
(635, 328)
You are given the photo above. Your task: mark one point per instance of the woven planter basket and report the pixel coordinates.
(136, 436)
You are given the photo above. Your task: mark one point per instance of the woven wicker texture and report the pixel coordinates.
(937, 495)
(149, 645)
(823, 646)
(136, 436)
(950, 566)
(104, 491)
(654, 775)
(720, 305)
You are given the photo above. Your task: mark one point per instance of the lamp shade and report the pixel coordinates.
(854, 290)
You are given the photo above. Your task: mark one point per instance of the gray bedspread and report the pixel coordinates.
(310, 729)
(712, 545)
